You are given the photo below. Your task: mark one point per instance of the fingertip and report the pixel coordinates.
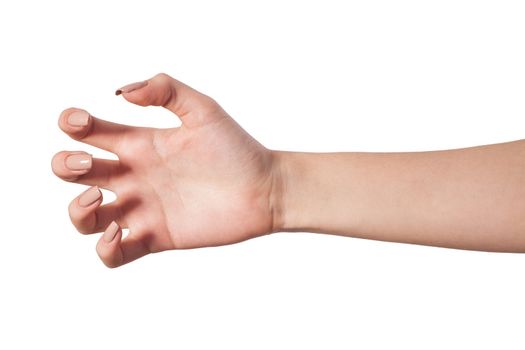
(111, 232)
(57, 163)
(75, 122)
(88, 199)
(156, 91)
(108, 246)
(82, 210)
(126, 89)
(70, 165)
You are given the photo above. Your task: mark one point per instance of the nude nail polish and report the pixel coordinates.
(110, 232)
(78, 118)
(78, 161)
(131, 87)
(89, 197)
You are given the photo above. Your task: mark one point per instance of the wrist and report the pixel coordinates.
(288, 186)
(314, 192)
(276, 193)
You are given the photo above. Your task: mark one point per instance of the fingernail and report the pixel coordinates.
(78, 161)
(110, 232)
(131, 87)
(89, 197)
(78, 118)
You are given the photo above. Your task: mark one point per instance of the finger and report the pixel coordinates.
(192, 107)
(81, 167)
(88, 216)
(82, 126)
(115, 251)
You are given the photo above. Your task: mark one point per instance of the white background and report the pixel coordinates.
(312, 76)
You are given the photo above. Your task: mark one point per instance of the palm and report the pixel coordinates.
(205, 183)
(197, 187)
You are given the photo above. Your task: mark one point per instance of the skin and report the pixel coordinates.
(209, 183)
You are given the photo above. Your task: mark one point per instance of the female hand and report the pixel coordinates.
(205, 183)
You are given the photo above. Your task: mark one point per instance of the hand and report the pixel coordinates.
(205, 183)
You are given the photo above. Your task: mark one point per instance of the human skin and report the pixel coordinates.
(209, 183)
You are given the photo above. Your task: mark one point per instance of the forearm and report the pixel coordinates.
(472, 198)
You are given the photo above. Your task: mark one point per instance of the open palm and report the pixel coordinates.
(204, 183)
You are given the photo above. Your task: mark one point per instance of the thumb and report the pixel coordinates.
(192, 107)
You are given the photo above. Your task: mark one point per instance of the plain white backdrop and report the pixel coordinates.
(312, 76)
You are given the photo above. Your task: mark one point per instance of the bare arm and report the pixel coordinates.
(472, 198)
(207, 182)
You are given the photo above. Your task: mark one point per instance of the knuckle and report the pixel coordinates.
(162, 76)
(209, 105)
(79, 220)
